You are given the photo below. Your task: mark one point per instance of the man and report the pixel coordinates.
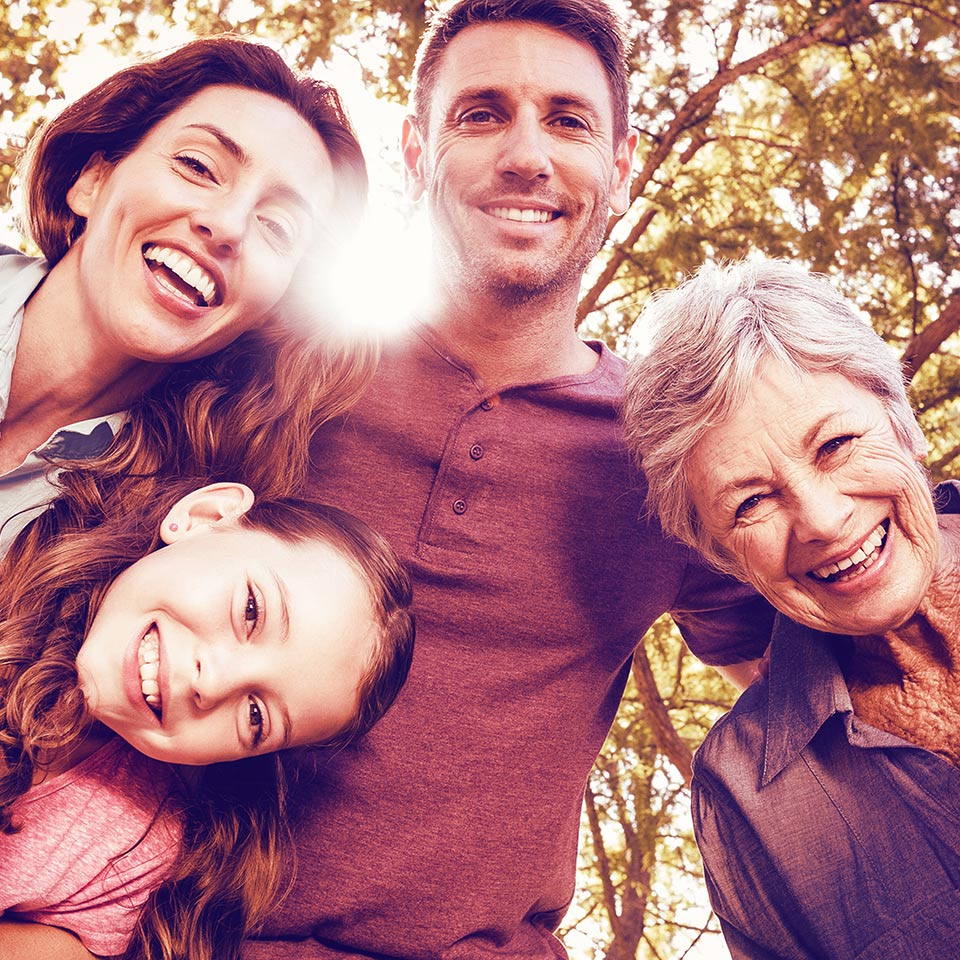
(488, 451)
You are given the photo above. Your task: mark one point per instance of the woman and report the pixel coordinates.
(201, 626)
(179, 205)
(777, 438)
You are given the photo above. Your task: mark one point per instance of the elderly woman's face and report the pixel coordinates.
(194, 236)
(811, 492)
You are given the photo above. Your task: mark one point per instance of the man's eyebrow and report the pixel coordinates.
(471, 96)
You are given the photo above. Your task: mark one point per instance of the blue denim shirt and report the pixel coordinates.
(822, 836)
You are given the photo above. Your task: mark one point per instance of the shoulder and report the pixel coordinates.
(19, 274)
(733, 749)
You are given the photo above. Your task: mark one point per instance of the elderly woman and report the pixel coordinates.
(775, 432)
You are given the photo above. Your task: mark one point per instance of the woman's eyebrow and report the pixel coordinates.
(241, 156)
(228, 143)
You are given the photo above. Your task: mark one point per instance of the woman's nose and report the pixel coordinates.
(524, 149)
(222, 226)
(821, 513)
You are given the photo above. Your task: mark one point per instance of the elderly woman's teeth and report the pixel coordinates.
(148, 657)
(861, 559)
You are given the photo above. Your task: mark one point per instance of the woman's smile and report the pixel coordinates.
(182, 274)
(849, 567)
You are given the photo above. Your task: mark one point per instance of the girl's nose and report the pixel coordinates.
(223, 670)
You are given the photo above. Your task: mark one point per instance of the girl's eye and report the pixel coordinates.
(194, 165)
(255, 719)
(251, 613)
(833, 445)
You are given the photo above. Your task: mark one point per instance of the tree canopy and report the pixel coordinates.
(822, 130)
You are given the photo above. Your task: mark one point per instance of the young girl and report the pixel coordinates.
(202, 626)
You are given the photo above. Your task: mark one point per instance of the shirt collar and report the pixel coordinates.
(805, 687)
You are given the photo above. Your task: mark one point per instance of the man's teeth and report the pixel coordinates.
(526, 215)
(148, 657)
(186, 268)
(863, 557)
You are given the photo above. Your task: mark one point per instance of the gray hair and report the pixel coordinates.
(709, 336)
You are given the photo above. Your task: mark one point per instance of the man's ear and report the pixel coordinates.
(412, 151)
(204, 508)
(623, 172)
(83, 192)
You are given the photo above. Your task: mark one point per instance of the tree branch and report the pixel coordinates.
(668, 741)
(922, 345)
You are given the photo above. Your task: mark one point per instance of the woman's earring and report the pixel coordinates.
(174, 527)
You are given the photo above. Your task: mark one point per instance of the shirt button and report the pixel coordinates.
(476, 452)
(486, 405)
(459, 506)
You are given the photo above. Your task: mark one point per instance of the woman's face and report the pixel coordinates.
(193, 237)
(807, 487)
(228, 642)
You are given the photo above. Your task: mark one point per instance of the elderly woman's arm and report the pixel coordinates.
(37, 941)
(739, 878)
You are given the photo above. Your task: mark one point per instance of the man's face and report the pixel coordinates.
(518, 160)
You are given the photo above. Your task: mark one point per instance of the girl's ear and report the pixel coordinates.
(204, 508)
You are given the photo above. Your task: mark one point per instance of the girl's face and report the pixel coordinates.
(194, 236)
(228, 642)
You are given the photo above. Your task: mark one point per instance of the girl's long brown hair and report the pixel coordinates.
(247, 413)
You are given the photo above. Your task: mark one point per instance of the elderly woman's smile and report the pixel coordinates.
(808, 490)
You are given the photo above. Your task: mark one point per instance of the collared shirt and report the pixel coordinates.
(821, 835)
(26, 489)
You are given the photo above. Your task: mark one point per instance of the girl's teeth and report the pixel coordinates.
(148, 657)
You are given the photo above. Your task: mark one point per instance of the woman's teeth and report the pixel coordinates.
(861, 559)
(197, 283)
(148, 657)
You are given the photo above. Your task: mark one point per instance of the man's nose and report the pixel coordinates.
(525, 148)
